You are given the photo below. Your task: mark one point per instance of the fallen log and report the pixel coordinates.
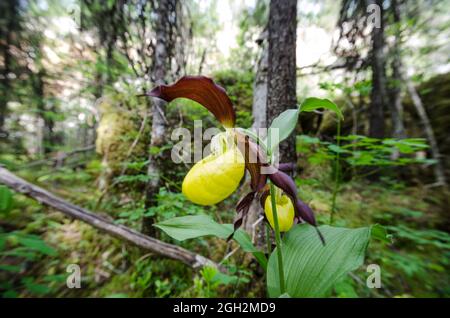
(119, 231)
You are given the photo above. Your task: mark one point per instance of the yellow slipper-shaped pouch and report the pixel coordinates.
(214, 178)
(285, 212)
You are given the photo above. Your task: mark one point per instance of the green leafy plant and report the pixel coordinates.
(362, 151)
(16, 248)
(294, 266)
(6, 199)
(310, 268)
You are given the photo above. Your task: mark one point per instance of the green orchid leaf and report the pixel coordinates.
(193, 226)
(312, 103)
(281, 127)
(312, 269)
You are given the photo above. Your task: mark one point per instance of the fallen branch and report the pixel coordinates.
(122, 232)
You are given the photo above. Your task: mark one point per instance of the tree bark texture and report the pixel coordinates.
(395, 103)
(281, 93)
(9, 23)
(253, 223)
(165, 12)
(378, 94)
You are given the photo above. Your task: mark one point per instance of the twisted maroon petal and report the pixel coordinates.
(202, 90)
(242, 209)
(254, 160)
(285, 183)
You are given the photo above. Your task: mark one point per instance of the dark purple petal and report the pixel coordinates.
(287, 184)
(304, 212)
(287, 167)
(242, 209)
(202, 90)
(254, 160)
(284, 182)
(245, 201)
(322, 238)
(265, 193)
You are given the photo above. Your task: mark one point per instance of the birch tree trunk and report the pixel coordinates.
(259, 107)
(164, 12)
(378, 94)
(253, 222)
(439, 171)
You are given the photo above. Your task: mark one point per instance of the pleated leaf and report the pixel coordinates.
(311, 269)
(188, 227)
(281, 127)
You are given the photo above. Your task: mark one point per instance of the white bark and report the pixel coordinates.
(252, 222)
(435, 153)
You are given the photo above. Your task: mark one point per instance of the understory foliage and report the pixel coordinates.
(38, 243)
(77, 116)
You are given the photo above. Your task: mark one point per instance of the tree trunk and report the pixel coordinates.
(259, 108)
(435, 153)
(281, 93)
(48, 122)
(275, 91)
(164, 13)
(378, 95)
(5, 84)
(8, 24)
(395, 103)
(253, 222)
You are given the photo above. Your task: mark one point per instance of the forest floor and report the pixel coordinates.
(39, 243)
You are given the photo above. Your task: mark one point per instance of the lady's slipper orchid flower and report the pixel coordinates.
(285, 211)
(217, 176)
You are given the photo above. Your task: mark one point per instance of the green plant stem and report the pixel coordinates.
(277, 238)
(336, 172)
(269, 244)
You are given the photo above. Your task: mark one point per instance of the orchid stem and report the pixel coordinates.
(277, 239)
(268, 241)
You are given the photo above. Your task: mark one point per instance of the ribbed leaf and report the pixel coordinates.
(285, 123)
(310, 268)
(188, 227)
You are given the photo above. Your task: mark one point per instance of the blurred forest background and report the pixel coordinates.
(73, 121)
